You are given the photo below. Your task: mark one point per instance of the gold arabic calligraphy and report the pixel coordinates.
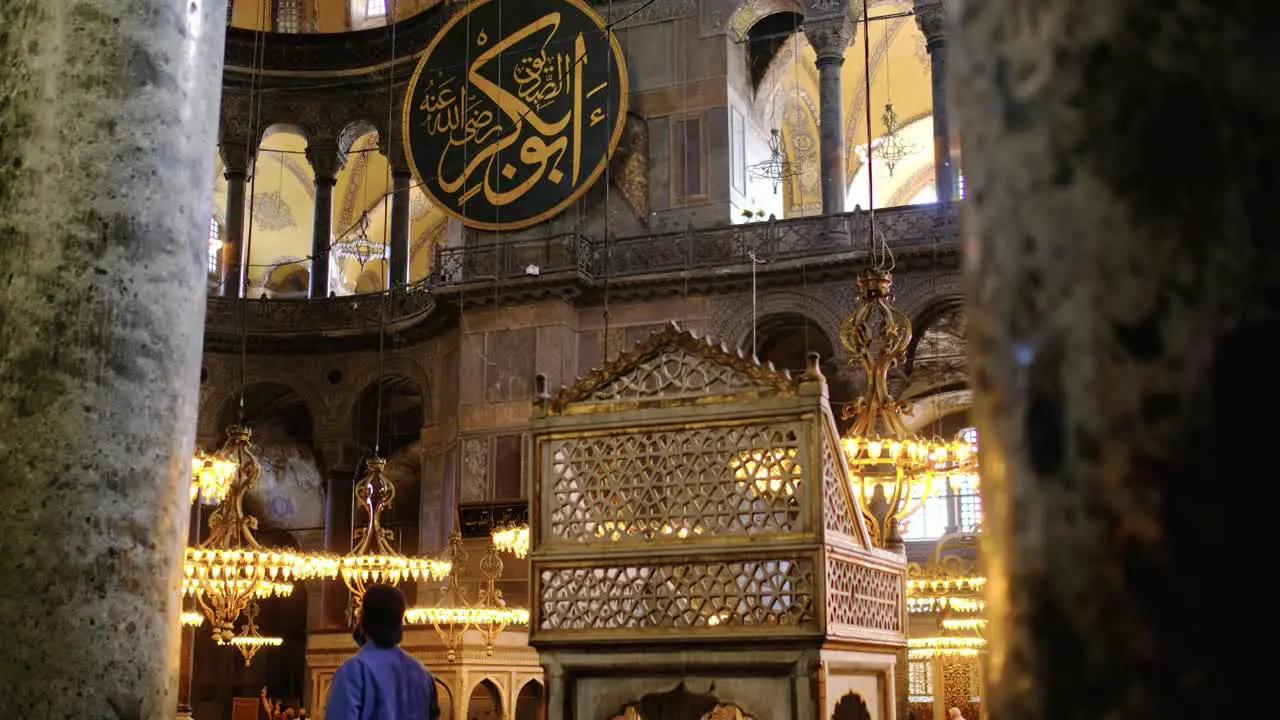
(540, 78)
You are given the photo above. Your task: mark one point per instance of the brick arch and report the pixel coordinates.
(735, 329)
(753, 11)
(368, 374)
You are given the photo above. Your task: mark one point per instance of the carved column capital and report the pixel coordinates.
(326, 160)
(931, 17)
(829, 37)
(237, 158)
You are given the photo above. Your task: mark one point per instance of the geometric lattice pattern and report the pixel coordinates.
(863, 596)
(736, 593)
(673, 374)
(741, 479)
(838, 512)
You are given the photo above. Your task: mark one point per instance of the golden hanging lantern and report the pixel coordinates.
(249, 641)
(211, 477)
(891, 468)
(373, 559)
(512, 538)
(453, 615)
(229, 570)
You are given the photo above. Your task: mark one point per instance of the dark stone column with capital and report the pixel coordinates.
(830, 38)
(108, 113)
(398, 268)
(326, 160)
(1123, 302)
(237, 161)
(339, 508)
(931, 16)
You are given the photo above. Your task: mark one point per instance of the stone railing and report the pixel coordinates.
(914, 227)
(577, 258)
(350, 314)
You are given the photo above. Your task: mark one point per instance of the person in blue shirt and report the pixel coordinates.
(382, 681)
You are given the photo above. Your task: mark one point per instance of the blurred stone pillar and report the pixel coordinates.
(1123, 299)
(108, 116)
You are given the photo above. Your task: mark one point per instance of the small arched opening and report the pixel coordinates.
(444, 698)
(765, 38)
(529, 702)
(851, 707)
(485, 702)
(388, 415)
(786, 339)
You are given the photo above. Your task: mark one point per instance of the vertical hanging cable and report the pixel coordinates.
(608, 239)
(252, 134)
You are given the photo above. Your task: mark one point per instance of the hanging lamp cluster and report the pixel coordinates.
(373, 559)
(892, 469)
(512, 538)
(211, 477)
(453, 615)
(229, 570)
(249, 641)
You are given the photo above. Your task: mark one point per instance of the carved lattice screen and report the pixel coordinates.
(678, 483)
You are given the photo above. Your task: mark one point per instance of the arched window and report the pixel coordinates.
(215, 245)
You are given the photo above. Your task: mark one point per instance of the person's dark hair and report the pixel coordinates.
(382, 615)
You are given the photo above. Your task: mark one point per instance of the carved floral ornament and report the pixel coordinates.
(675, 362)
(720, 712)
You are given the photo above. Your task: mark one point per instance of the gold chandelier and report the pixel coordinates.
(249, 641)
(211, 477)
(229, 570)
(892, 469)
(453, 615)
(512, 538)
(373, 559)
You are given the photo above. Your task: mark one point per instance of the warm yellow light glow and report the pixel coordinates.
(513, 539)
(391, 568)
(261, 589)
(947, 642)
(930, 653)
(211, 478)
(192, 619)
(469, 616)
(616, 530)
(955, 604)
(257, 641)
(770, 472)
(941, 586)
(964, 623)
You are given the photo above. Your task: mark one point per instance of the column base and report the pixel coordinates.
(183, 713)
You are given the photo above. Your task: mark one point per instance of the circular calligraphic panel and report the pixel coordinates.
(514, 110)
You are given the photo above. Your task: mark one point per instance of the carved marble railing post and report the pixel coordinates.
(1122, 304)
(830, 35)
(931, 16)
(326, 160)
(237, 163)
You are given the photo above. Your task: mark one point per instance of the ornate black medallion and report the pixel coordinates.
(514, 110)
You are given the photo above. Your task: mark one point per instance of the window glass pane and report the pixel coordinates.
(375, 8)
(920, 680)
(215, 245)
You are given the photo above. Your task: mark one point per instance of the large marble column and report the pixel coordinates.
(398, 268)
(829, 38)
(1123, 302)
(931, 16)
(108, 113)
(237, 162)
(326, 160)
